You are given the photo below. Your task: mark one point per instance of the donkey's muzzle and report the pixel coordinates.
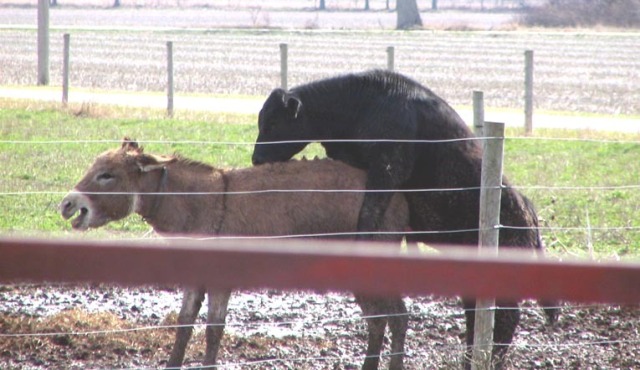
(69, 207)
(76, 203)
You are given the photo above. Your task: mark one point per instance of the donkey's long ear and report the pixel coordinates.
(150, 162)
(130, 144)
(293, 104)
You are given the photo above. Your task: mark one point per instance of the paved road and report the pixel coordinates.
(251, 105)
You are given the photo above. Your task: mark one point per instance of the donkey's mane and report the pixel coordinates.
(193, 163)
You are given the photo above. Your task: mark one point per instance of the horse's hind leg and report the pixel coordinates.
(376, 326)
(217, 313)
(506, 321)
(507, 318)
(398, 324)
(191, 303)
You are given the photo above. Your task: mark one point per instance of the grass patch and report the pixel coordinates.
(582, 188)
(576, 179)
(47, 151)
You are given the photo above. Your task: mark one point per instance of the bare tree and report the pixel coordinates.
(408, 14)
(322, 5)
(116, 3)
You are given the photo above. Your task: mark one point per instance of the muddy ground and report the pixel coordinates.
(285, 330)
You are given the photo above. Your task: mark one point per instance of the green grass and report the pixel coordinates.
(601, 162)
(37, 173)
(47, 170)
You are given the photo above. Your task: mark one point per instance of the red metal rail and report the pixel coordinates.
(318, 265)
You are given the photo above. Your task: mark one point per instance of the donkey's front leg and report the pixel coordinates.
(218, 302)
(191, 303)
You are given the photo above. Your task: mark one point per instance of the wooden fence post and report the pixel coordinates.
(283, 65)
(478, 113)
(390, 58)
(43, 42)
(170, 78)
(528, 91)
(490, 194)
(65, 69)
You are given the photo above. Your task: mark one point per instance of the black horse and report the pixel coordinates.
(405, 137)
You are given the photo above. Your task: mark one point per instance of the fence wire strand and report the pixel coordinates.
(252, 143)
(293, 323)
(459, 347)
(340, 191)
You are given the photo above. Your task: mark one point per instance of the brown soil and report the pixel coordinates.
(294, 330)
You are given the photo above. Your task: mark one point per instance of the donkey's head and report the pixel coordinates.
(111, 187)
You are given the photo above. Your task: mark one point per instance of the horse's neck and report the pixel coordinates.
(329, 108)
(316, 96)
(189, 201)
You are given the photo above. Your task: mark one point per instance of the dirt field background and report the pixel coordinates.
(230, 49)
(574, 71)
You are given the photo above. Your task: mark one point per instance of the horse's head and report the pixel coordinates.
(281, 118)
(110, 189)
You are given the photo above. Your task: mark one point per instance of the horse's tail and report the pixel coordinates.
(551, 307)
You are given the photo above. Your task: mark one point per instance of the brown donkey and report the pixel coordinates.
(224, 202)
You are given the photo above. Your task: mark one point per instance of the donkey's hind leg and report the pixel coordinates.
(218, 302)
(191, 303)
(398, 324)
(376, 325)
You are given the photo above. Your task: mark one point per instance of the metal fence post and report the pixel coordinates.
(43, 42)
(478, 112)
(528, 91)
(170, 78)
(65, 69)
(283, 65)
(490, 194)
(390, 58)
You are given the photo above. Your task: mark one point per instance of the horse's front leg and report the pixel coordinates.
(376, 325)
(388, 169)
(218, 302)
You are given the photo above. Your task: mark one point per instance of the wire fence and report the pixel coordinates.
(454, 347)
(587, 228)
(550, 345)
(525, 344)
(296, 323)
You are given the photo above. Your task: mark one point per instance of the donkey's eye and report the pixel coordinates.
(104, 176)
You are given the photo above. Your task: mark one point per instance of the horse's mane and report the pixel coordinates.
(361, 86)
